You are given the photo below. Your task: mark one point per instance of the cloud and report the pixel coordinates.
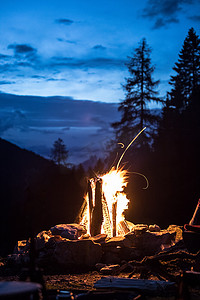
(99, 47)
(66, 22)
(35, 122)
(2, 82)
(66, 41)
(22, 49)
(98, 62)
(164, 12)
(195, 18)
(163, 23)
(4, 57)
(11, 119)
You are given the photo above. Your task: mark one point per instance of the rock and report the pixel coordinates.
(154, 228)
(21, 247)
(178, 230)
(108, 270)
(41, 239)
(140, 228)
(99, 266)
(77, 253)
(118, 241)
(150, 243)
(110, 257)
(100, 238)
(18, 259)
(69, 231)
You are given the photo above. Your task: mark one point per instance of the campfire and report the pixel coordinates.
(106, 201)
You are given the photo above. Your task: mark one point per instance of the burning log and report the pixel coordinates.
(114, 218)
(97, 216)
(90, 205)
(105, 203)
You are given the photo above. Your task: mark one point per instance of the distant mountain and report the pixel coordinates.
(35, 194)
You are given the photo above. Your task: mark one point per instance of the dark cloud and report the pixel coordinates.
(98, 62)
(64, 21)
(66, 41)
(4, 57)
(99, 47)
(38, 77)
(2, 82)
(195, 18)
(163, 23)
(164, 12)
(22, 49)
(56, 79)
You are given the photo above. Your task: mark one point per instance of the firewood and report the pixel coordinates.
(97, 217)
(146, 286)
(114, 216)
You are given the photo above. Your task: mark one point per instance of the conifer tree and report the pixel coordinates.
(140, 91)
(59, 153)
(186, 82)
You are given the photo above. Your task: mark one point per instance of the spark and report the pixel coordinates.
(133, 140)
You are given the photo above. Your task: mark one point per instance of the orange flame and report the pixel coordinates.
(114, 200)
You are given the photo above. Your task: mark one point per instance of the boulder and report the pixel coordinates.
(69, 231)
(140, 228)
(150, 243)
(41, 239)
(154, 228)
(77, 253)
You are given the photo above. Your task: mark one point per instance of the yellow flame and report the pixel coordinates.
(114, 200)
(114, 183)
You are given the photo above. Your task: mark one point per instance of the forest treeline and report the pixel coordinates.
(168, 151)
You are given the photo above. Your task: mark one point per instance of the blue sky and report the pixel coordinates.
(78, 49)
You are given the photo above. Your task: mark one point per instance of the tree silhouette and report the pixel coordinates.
(140, 91)
(186, 82)
(59, 153)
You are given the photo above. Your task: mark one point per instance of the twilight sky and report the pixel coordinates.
(77, 49)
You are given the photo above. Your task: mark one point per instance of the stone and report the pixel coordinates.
(108, 270)
(21, 247)
(178, 230)
(118, 241)
(77, 253)
(69, 231)
(149, 243)
(140, 228)
(100, 238)
(41, 239)
(154, 228)
(99, 266)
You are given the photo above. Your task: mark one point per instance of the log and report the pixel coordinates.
(149, 260)
(97, 216)
(90, 204)
(155, 287)
(114, 218)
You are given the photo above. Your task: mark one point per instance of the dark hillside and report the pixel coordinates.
(35, 194)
